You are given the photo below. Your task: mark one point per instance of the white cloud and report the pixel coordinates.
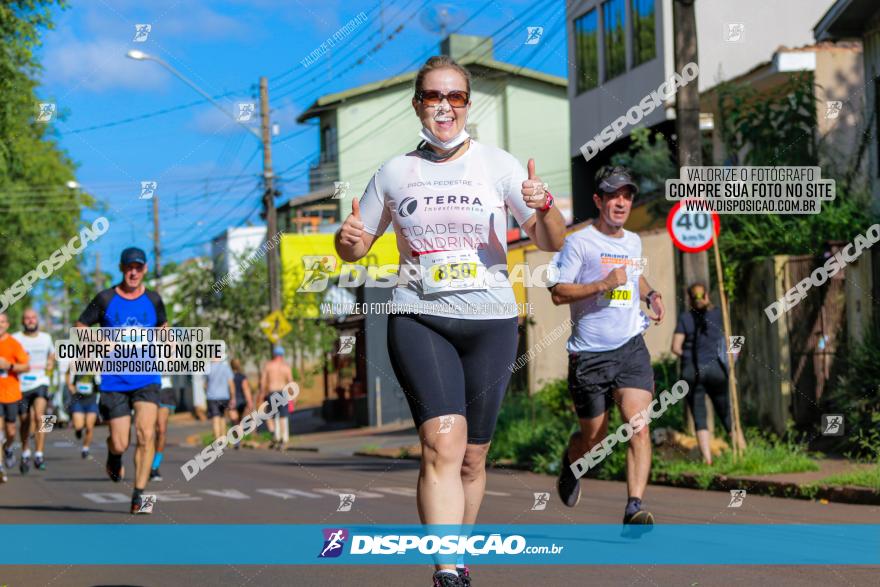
(99, 65)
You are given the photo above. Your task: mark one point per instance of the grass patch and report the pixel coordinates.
(764, 456)
(869, 478)
(369, 448)
(533, 430)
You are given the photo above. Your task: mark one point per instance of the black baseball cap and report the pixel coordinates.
(133, 255)
(612, 179)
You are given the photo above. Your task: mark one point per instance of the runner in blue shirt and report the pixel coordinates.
(129, 303)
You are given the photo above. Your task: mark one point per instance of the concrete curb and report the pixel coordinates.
(787, 489)
(811, 491)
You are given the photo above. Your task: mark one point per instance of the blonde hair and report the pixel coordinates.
(441, 62)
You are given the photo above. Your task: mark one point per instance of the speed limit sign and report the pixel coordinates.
(691, 231)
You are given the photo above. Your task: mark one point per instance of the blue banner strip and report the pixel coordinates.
(528, 544)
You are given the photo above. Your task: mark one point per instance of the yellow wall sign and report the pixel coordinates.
(302, 252)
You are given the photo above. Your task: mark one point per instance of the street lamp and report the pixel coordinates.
(141, 56)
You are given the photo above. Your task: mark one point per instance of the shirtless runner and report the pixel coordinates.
(275, 375)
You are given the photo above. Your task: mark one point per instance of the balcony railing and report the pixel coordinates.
(323, 174)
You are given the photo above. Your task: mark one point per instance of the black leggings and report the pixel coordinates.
(712, 380)
(453, 366)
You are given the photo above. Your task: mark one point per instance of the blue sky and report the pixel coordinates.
(206, 166)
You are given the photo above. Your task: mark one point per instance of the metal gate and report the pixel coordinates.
(816, 326)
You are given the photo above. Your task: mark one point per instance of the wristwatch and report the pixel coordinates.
(548, 203)
(648, 298)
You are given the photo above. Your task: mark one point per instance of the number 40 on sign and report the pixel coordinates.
(691, 232)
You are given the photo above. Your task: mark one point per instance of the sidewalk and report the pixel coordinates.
(400, 440)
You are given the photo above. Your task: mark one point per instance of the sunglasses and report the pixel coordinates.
(456, 98)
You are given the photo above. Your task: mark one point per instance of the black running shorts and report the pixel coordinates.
(216, 407)
(29, 397)
(116, 404)
(453, 366)
(593, 376)
(9, 412)
(168, 398)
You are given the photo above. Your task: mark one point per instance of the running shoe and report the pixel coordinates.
(40, 463)
(155, 475)
(25, 465)
(84, 453)
(137, 506)
(639, 518)
(3, 477)
(568, 486)
(446, 580)
(9, 458)
(464, 575)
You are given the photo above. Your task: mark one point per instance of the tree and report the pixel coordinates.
(234, 314)
(40, 212)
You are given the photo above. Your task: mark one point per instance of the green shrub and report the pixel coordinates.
(856, 395)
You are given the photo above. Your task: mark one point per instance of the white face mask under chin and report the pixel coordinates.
(432, 139)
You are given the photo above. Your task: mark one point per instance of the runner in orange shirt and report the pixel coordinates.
(13, 360)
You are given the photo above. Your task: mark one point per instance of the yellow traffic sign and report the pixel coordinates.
(275, 326)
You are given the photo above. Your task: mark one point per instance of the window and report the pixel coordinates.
(615, 39)
(586, 34)
(328, 143)
(644, 48)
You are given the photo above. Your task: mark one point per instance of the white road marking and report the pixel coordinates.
(229, 493)
(335, 492)
(288, 493)
(175, 495)
(107, 497)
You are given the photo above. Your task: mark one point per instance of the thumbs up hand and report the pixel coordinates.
(534, 191)
(352, 229)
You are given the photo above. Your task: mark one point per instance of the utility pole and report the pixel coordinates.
(269, 198)
(157, 270)
(694, 266)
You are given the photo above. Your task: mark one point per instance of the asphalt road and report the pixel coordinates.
(298, 487)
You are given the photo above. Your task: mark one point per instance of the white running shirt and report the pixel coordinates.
(38, 348)
(602, 322)
(450, 216)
